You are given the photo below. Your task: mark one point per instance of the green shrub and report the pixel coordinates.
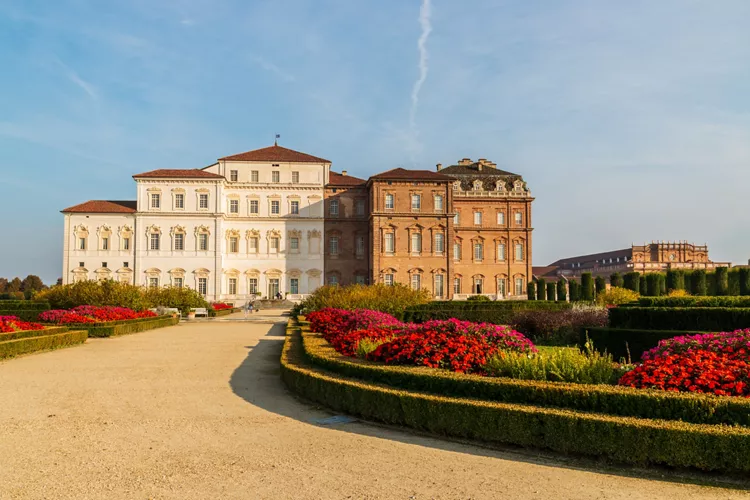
(692, 301)
(744, 285)
(12, 296)
(183, 298)
(615, 279)
(587, 287)
(733, 279)
(479, 298)
(116, 328)
(706, 319)
(95, 293)
(644, 285)
(541, 289)
(557, 327)
(389, 299)
(54, 330)
(22, 305)
(531, 290)
(652, 285)
(600, 284)
(500, 312)
(574, 290)
(616, 296)
(551, 291)
(627, 344)
(632, 281)
(562, 289)
(698, 282)
(722, 281)
(26, 345)
(617, 438)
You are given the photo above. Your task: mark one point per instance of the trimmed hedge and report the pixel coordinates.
(497, 312)
(115, 328)
(694, 301)
(25, 310)
(706, 319)
(628, 343)
(33, 333)
(11, 348)
(622, 439)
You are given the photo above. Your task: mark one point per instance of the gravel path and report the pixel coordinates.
(197, 411)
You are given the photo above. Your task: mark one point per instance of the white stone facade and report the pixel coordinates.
(236, 229)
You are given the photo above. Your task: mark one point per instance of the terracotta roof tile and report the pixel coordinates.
(403, 174)
(104, 207)
(473, 169)
(275, 153)
(188, 173)
(336, 179)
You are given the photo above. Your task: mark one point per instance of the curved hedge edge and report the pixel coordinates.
(33, 333)
(136, 326)
(627, 342)
(621, 439)
(604, 399)
(12, 348)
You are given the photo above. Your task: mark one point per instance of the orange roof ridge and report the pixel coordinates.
(275, 153)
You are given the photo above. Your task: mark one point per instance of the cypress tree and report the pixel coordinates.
(652, 285)
(587, 287)
(616, 280)
(642, 286)
(698, 282)
(671, 279)
(734, 282)
(562, 296)
(686, 281)
(662, 284)
(551, 288)
(722, 280)
(541, 289)
(710, 284)
(601, 284)
(631, 281)
(744, 281)
(531, 290)
(575, 290)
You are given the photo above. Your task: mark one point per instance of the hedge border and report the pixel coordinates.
(605, 399)
(624, 342)
(33, 333)
(695, 301)
(12, 348)
(680, 318)
(621, 439)
(23, 305)
(116, 328)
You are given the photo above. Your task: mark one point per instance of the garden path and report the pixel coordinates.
(198, 411)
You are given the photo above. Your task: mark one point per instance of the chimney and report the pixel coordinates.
(439, 167)
(465, 161)
(343, 172)
(482, 160)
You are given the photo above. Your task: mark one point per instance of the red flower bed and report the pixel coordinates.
(348, 343)
(92, 314)
(692, 371)
(10, 324)
(220, 306)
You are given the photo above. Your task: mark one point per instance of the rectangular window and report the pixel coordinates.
(456, 251)
(254, 207)
(333, 207)
(478, 252)
(333, 280)
(501, 251)
(519, 286)
(179, 241)
(456, 285)
(274, 245)
(389, 202)
(177, 282)
(105, 244)
(439, 243)
(253, 245)
(254, 176)
(294, 285)
(154, 241)
(252, 285)
(416, 281)
(203, 286)
(104, 264)
(519, 218)
(80, 264)
(155, 200)
(203, 201)
(294, 206)
(275, 176)
(501, 218)
(275, 207)
(456, 219)
(478, 285)
(438, 203)
(234, 206)
(439, 285)
(153, 282)
(294, 244)
(360, 207)
(477, 218)
(126, 243)
(125, 264)
(333, 245)
(81, 243)
(416, 243)
(233, 175)
(234, 244)
(390, 246)
(359, 279)
(501, 287)
(295, 180)
(232, 286)
(179, 201)
(519, 251)
(388, 279)
(416, 202)
(203, 242)
(360, 246)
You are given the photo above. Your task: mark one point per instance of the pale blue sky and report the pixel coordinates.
(630, 120)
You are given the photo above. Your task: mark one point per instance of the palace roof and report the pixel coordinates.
(275, 153)
(401, 174)
(104, 207)
(187, 173)
(336, 179)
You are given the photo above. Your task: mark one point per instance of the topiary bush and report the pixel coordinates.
(551, 291)
(562, 289)
(632, 281)
(616, 296)
(600, 284)
(541, 289)
(531, 290)
(587, 287)
(698, 282)
(615, 279)
(379, 297)
(721, 277)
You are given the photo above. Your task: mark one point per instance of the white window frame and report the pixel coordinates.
(333, 207)
(439, 203)
(390, 201)
(252, 285)
(153, 282)
(234, 244)
(439, 286)
(254, 176)
(178, 282)
(234, 175)
(294, 207)
(415, 242)
(416, 202)
(416, 281)
(253, 244)
(155, 203)
(439, 243)
(275, 207)
(477, 218)
(154, 238)
(501, 218)
(179, 241)
(518, 252)
(232, 286)
(234, 206)
(203, 286)
(203, 201)
(294, 285)
(519, 286)
(519, 219)
(388, 279)
(274, 245)
(389, 240)
(126, 243)
(294, 244)
(203, 237)
(254, 207)
(360, 207)
(295, 177)
(276, 177)
(478, 251)
(501, 252)
(360, 246)
(179, 201)
(457, 219)
(456, 286)
(333, 245)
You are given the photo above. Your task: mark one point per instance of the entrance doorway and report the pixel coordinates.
(273, 287)
(478, 288)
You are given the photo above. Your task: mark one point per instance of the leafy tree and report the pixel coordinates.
(531, 290)
(14, 285)
(616, 280)
(587, 287)
(32, 283)
(3, 285)
(541, 289)
(562, 295)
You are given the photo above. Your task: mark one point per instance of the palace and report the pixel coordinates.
(274, 220)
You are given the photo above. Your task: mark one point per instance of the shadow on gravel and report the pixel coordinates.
(258, 381)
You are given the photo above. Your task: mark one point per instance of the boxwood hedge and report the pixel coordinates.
(706, 319)
(114, 328)
(628, 343)
(26, 345)
(691, 301)
(622, 439)
(497, 312)
(25, 310)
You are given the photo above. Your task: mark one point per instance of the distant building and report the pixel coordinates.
(652, 257)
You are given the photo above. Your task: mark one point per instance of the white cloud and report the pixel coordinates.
(426, 24)
(76, 79)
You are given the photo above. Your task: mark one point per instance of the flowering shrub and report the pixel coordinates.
(378, 297)
(692, 371)
(501, 337)
(735, 345)
(10, 324)
(615, 296)
(220, 306)
(348, 343)
(334, 322)
(92, 314)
